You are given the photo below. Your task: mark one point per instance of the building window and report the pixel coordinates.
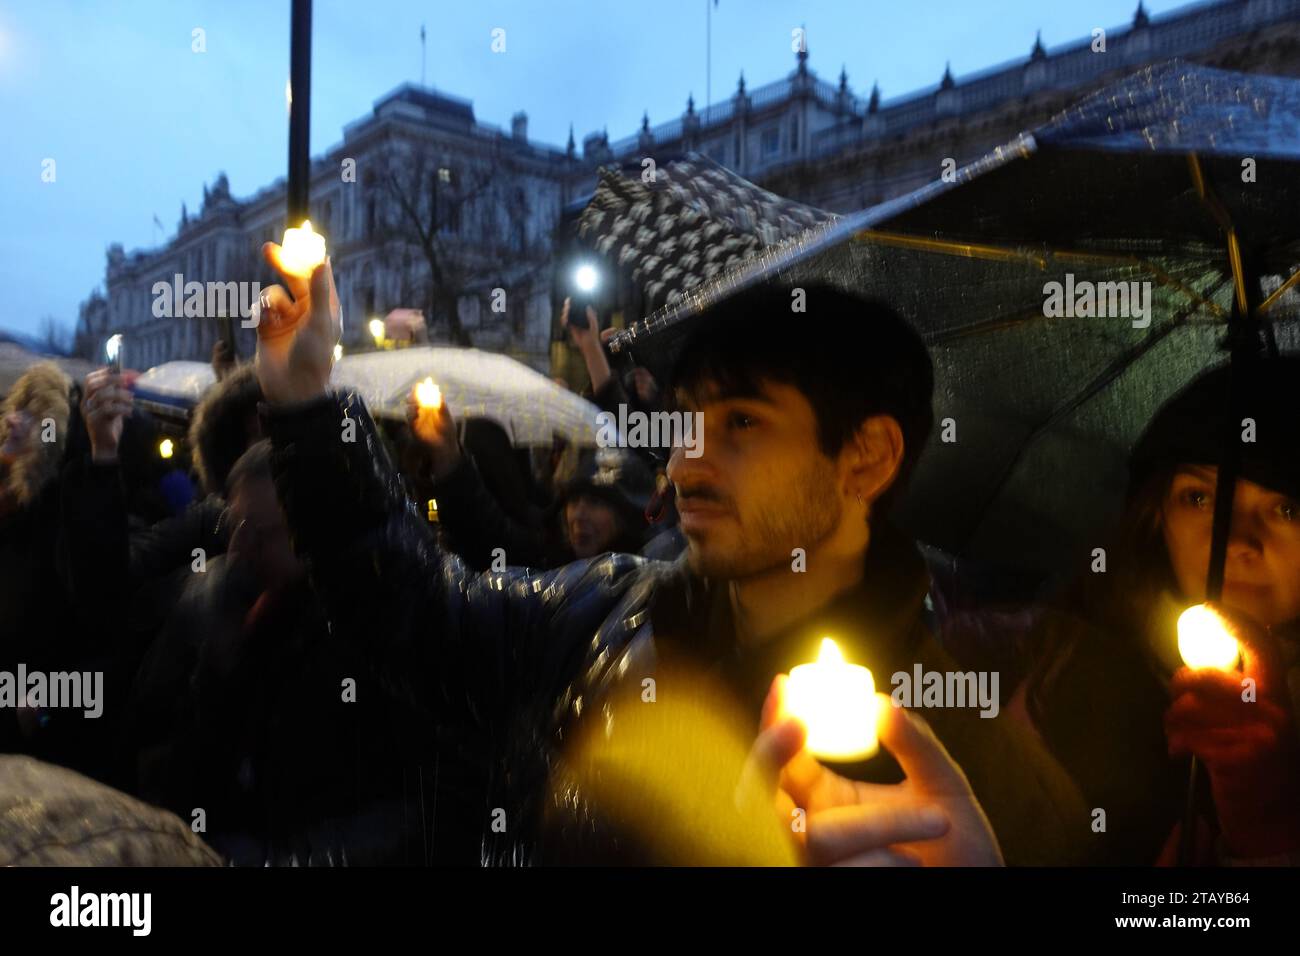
(770, 143)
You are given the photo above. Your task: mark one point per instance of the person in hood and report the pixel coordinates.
(806, 440)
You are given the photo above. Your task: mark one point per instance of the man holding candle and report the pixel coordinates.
(808, 438)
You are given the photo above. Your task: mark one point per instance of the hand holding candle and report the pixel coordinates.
(432, 422)
(931, 818)
(297, 330)
(1230, 709)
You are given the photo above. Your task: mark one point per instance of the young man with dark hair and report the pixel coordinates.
(804, 436)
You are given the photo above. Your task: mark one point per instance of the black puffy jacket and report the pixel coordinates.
(510, 667)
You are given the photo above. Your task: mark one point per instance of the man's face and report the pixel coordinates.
(1261, 576)
(762, 487)
(591, 526)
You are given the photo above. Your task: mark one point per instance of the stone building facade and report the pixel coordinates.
(493, 197)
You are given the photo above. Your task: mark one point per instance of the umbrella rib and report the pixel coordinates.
(1279, 292)
(1108, 375)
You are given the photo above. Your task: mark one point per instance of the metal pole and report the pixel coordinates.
(708, 52)
(1244, 339)
(299, 111)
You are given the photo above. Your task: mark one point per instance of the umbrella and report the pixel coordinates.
(172, 389)
(693, 221)
(1181, 179)
(529, 406)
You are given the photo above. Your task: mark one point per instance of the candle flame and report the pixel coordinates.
(428, 394)
(303, 250)
(112, 347)
(830, 652)
(165, 448)
(1204, 639)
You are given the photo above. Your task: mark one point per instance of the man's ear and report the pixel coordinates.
(876, 455)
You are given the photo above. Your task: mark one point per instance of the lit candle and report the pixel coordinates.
(1205, 641)
(302, 250)
(376, 327)
(165, 448)
(428, 394)
(113, 352)
(837, 703)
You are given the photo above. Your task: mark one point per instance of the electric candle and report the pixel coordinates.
(837, 703)
(302, 250)
(1204, 639)
(428, 394)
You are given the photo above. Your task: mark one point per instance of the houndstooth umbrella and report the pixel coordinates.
(686, 222)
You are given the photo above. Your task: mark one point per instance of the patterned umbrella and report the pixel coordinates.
(691, 221)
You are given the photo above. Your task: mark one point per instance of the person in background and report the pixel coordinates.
(1107, 689)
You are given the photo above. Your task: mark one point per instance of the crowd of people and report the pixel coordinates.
(578, 656)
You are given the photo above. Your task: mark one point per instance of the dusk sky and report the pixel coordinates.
(137, 123)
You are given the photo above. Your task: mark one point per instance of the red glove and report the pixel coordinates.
(1248, 747)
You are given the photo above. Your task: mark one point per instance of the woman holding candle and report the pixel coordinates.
(1108, 690)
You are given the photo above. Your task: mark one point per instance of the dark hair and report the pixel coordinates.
(219, 429)
(253, 463)
(851, 357)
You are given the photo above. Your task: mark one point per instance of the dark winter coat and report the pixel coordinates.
(509, 667)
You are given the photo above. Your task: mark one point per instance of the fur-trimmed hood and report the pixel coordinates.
(43, 393)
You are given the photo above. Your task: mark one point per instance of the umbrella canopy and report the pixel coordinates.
(172, 389)
(690, 222)
(1067, 283)
(528, 405)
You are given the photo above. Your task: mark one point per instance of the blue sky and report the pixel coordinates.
(137, 123)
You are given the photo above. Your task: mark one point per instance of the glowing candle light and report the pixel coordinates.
(1205, 641)
(376, 327)
(165, 448)
(302, 250)
(428, 394)
(113, 352)
(837, 703)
